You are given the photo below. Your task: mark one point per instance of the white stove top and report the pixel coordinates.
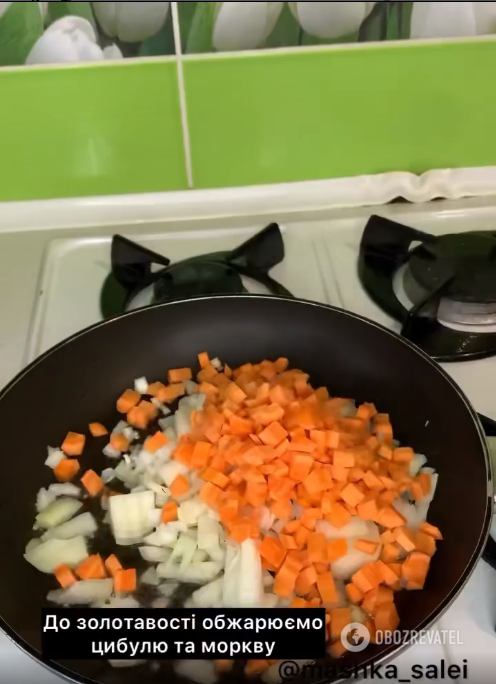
(320, 264)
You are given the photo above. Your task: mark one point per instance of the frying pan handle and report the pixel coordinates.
(490, 550)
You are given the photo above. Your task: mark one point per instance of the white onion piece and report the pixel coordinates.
(171, 470)
(344, 568)
(108, 475)
(154, 554)
(55, 456)
(198, 671)
(156, 517)
(357, 528)
(43, 499)
(165, 535)
(130, 434)
(200, 557)
(120, 427)
(126, 474)
(166, 423)
(349, 410)
(358, 615)
(141, 385)
(54, 552)
(32, 545)
(150, 578)
(209, 537)
(190, 511)
(267, 579)
(58, 512)
(232, 572)
(183, 422)
(267, 519)
(130, 517)
(209, 596)
(418, 462)
(168, 589)
(184, 550)
(269, 601)
(250, 580)
(191, 387)
(83, 526)
(83, 593)
(196, 573)
(410, 512)
(121, 664)
(64, 489)
(110, 452)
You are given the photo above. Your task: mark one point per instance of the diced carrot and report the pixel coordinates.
(339, 516)
(73, 444)
(425, 544)
(306, 580)
(345, 459)
(367, 578)
(336, 549)
(128, 401)
(352, 495)
(425, 481)
(169, 512)
(217, 478)
(340, 618)
(327, 589)
(203, 360)
(184, 453)
(229, 511)
(65, 576)
(113, 566)
(288, 542)
(388, 537)
(386, 618)
(403, 455)
(272, 550)
(431, 531)
(138, 418)
(390, 518)
(67, 469)
(301, 536)
(156, 442)
(301, 465)
(396, 568)
(299, 603)
(368, 508)
(385, 452)
(92, 568)
(179, 375)
(285, 581)
(373, 481)
(386, 574)
(273, 434)
(366, 546)
(375, 598)
(281, 509)
(405, 538)
(390, 553)
(224, 666)
(211, 495)
(201, 454)
(179, 487)
(97, 429)
(240, 426)
(256, 667)
(317, 548)
(125, 581)
(333, 439)
(92, 483)
(119, 442)
(353, 594)
(415, 569)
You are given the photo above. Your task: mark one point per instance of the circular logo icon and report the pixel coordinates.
(355, 637)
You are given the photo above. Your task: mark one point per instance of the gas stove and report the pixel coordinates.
(403, 282)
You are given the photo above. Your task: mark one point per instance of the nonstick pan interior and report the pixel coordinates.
(79, 381)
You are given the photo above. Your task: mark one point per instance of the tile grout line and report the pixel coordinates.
(182, 95)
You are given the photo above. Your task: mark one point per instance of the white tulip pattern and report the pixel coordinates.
(58, 32)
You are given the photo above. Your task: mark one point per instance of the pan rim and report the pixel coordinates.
(391, 651)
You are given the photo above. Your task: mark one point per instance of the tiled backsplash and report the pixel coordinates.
(203, 117)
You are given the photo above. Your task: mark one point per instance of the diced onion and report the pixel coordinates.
(55, 456)
(50, 554)
(209, 596)
(130, 517)
(355, 528)
(141, 385)
(64, 489)
(418, 462)
(150, 578)
(82, 526)
(83, 593)
(43, 499)
(154, 554)
(58, 512)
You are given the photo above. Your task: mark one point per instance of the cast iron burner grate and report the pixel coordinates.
(135, 281)
(441, 289)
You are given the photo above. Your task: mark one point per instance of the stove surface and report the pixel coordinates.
(320, 264)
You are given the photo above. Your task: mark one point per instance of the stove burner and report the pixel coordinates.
(469, 259)
(450, 282)
(135, 281)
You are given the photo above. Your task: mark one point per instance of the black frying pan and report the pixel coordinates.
(78, 382)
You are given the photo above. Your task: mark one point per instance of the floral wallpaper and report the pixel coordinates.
(67, 32)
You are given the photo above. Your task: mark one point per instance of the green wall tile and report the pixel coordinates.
(333, 112)
(90, 130)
